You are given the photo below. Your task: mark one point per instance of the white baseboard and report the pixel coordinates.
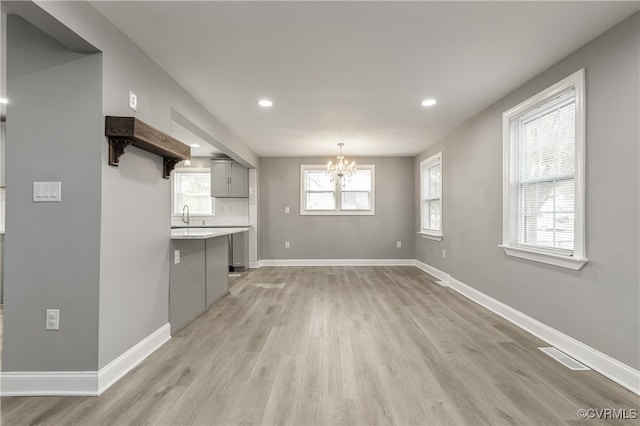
(116, 369)
(443, 278)
(613, 369)
(49, 383)
(81, 383)
(254, 265)
(337, 262)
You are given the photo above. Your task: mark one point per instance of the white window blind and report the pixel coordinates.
(544, 142)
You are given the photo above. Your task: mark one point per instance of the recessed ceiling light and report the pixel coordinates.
(4, 101)
(429, 102)
(195, 145)
(266, 103)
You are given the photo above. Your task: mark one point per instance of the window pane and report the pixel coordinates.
(545, 198)
(195, 183)
(192, 189)
(434, 181)
(548, 214)
(360, 181)
(198, 204)
(317, 180)
(425, 215)
(434, 214)
(320, 201)
(356, 201)
(547, 141)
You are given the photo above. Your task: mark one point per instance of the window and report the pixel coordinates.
(320, 196)
(543, 200)
(192, 187)
(431, 197)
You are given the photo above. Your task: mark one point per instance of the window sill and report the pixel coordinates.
(550, 259)
(430, 236)
(337, 213)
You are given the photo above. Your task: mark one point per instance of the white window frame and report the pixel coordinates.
(430, 233)
(578, 259)
(337, 193)
(174, 182)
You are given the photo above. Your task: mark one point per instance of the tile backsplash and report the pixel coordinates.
(228, 212)
(2, 208)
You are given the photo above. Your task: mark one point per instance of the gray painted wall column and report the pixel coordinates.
(54, 126)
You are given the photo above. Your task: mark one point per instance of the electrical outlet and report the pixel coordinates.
(176, 257)
(53, 319)
(444, 253)
(133, 101)
(287, 210)
(286, 244)
(399, 244)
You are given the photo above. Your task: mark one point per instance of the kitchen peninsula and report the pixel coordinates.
(199, 271)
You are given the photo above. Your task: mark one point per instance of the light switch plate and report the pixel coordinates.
(47, 192)
(176, 257)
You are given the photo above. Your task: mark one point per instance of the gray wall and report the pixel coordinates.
(52, 253)
(598, 305)
(335, 237)
(134, 200)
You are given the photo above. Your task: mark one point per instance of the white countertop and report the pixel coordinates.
(203, 233)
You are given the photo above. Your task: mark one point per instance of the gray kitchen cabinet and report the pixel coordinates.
(198, 279)
(236, 250)
(229, 179)
(187, 291)
(217, 270)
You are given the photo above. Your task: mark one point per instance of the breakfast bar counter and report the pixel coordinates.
(203, 233)
(199, 272)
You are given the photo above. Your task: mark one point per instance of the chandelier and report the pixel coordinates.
(342, 170)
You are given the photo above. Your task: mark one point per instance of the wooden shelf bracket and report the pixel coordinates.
(116, 149)
(124, 131)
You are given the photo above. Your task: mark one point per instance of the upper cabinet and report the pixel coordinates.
(229, 179)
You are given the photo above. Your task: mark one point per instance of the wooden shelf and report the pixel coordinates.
(125, 131)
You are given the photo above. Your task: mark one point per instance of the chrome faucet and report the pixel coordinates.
(185, 219)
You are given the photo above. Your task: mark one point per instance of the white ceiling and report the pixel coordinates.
(355, 72)
(205, 149)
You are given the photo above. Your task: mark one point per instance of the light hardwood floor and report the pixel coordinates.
(340, 345)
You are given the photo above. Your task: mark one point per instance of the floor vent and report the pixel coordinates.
(269, 285)
(564, 359)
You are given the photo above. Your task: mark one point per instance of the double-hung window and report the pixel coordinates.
(192, 187)
(543, 199)
(431, 197)
(320, 196)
